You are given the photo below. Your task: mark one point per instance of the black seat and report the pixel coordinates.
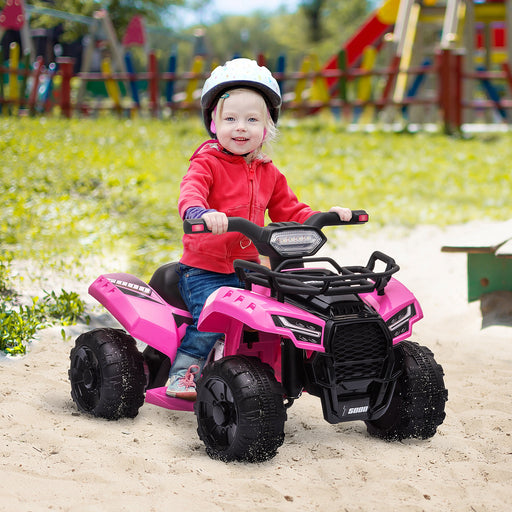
(165, 282)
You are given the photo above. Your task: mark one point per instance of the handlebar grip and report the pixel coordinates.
(359, 216)
(193, 226)
(332, 219)
(235, 224)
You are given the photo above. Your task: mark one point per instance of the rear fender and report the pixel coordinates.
(141, 311)
(228, 310)
(398, 307)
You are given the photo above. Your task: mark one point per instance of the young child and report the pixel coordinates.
(229, 176)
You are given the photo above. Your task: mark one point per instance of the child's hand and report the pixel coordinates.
(216, 222)
(345, 214)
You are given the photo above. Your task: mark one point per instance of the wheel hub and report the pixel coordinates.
(221, 412)
(87, 368)
(89, 378)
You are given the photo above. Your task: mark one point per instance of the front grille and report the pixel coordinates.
(359, 351)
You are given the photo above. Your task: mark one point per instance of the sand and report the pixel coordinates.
(54, 458)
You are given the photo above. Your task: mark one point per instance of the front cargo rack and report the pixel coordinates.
(291, 278)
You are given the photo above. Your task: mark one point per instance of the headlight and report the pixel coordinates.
(296, 242)
(301, 329)
(399, 322)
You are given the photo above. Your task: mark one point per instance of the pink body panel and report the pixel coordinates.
(141, 311)
(157, 396)
(396, 297)
(228, 309)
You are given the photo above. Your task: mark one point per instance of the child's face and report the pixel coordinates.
(241, 123)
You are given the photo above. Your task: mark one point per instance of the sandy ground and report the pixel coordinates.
(54, 458)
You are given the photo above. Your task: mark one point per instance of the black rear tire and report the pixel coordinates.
(107, 374)
(418, 402)
(240, 410)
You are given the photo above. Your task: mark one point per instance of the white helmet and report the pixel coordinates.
(240, 73)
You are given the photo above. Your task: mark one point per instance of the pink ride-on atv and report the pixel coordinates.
(305, 324)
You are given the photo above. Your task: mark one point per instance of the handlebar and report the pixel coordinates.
(291, 243)
(255, 232)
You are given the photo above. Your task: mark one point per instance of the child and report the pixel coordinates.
(228, 176)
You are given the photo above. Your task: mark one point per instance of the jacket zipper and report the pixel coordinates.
(250, 168)
(251, 191)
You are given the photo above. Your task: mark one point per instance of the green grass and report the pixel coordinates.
(73, 188)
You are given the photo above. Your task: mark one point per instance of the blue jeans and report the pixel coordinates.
(196, 285)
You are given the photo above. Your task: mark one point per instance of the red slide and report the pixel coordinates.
(376, 25)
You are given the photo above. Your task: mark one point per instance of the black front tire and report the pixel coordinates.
(418, 402)
(240, 410)
(107, 374)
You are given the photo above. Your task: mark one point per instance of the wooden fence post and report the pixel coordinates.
(441, 78)
(280, 69)
(153, 84)
(66, 72)
(1, 81)
(450, 90)
(171, 71)
(508, 74)
(36, 76)
(458, 60)
(47, 94)
(390, 81)
(342, 81)
(132, 79)
(446, 83)
(14, 86)
(24, 79)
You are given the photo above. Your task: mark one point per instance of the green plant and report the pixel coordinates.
(67, 307)
(19, 323)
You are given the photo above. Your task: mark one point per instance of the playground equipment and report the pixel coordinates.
(411, 61)
(114, 55)
(101, 39)
(461, 25)
(371, 32)
(420, 39)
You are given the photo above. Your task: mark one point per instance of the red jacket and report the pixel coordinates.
(226, 183)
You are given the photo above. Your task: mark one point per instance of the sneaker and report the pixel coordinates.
(184, 387)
